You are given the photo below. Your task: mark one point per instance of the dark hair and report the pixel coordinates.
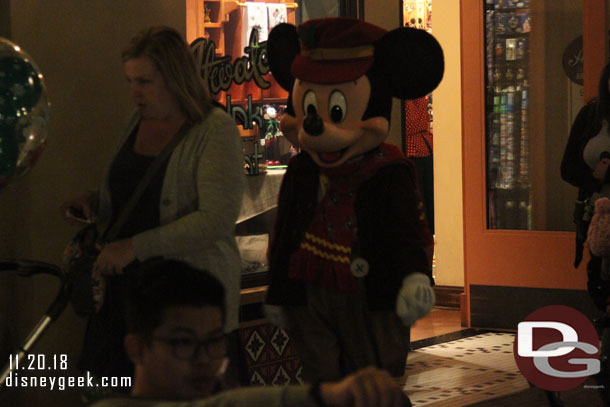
(173, 58)
(159, 284)
(603, 96)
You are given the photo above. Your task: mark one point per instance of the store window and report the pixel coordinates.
(531, 99)
(229, 41)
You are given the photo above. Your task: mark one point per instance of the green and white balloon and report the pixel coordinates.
(24, 112)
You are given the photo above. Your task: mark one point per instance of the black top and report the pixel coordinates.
(127, 169)
(574, 169)
(103, 352)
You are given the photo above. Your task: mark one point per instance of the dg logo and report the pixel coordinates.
(557, 348)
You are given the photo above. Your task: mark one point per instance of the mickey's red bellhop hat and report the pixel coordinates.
(335, 50)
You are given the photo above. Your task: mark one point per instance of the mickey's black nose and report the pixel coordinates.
(313, 124)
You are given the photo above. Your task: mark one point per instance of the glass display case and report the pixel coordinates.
(532, 95)
(507, 30)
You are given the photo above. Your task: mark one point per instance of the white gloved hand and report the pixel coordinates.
(415, 298)
(276, 315)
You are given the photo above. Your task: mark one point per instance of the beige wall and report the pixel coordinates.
(77, 46)
(447, 134)
(447, 105)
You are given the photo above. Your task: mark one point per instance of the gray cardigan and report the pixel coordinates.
(200, 201)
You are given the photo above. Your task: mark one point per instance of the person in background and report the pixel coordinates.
(188, 210)
(175, 339)
(585, 165)
(418, 147)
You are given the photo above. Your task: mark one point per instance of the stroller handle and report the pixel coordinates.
(28, 268)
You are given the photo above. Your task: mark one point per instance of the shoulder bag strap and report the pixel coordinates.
(113, 231)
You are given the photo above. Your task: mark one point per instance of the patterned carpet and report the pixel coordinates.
(270, 357)
(463, 372)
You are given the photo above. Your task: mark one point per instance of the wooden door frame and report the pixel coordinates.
(595, 38)
(493, 257)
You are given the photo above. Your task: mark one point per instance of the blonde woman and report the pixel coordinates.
(189, 209)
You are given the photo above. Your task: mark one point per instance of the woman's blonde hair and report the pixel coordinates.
(173, 58)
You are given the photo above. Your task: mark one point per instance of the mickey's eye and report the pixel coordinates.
(337, 106)
(310, 105)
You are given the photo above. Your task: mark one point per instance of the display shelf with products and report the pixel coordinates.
(213, 26)
(237, 70)
(507, 30)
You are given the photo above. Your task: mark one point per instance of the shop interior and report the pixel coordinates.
(227, 28)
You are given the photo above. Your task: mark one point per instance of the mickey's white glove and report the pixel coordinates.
(415, 298)
(276, 315)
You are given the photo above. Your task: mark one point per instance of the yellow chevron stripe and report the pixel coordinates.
(327, 244)
(324, 255)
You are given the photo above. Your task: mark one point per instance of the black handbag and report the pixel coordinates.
(78, 258)
(86, 288)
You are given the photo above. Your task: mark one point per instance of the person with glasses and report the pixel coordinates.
(175, 340)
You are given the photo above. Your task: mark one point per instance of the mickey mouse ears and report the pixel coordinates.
(407, 62)
(410, 61)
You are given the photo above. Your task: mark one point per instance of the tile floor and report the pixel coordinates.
(444, 325)
(464, 371)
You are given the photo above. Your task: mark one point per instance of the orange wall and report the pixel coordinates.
(595, 43)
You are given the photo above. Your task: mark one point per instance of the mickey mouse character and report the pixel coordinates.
(349, 261)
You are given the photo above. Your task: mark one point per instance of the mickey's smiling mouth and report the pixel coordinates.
(333, 157)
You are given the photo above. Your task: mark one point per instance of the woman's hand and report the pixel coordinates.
(79, 209)
(602, 167)
(114, 257)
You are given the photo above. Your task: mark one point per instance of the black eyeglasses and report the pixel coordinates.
(188, 348)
